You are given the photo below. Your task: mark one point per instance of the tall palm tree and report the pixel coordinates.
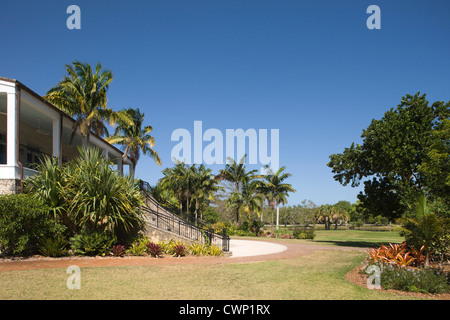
(275, 190)
(236, 174)
(135, 138)
(204, 185)
(175, 180)
(82, 95)
(248, 200)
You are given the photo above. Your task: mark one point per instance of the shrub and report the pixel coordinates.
(215, 251)
(87, 194)
(303, 233)
(179, 250)
(198, 249)
(100, 198)
(256, 227)
(118, 250)
(411, 279)
(92, 243)
(53, 246)
(137, 248)
(23, 221)
(154, 249)
(398, 254)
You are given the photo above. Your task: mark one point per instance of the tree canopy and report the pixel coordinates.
(403, 153)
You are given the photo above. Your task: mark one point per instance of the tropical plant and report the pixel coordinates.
(138, 247)
(275, 189)
(179, 250)
(236, 174)
(424, 229)
(198, 249)
(118, 250)
(204, 186)
(247, 201)
(134, 137)
(154, 249)
(53, 246)
(82, 95)
(101, 199)
(92, 243)
(176, 180)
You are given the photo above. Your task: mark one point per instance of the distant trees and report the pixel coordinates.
(191, 187)
(235, 189)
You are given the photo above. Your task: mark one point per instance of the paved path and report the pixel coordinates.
(243, 251)
(250, 248)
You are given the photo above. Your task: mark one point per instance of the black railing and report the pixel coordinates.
(164, 219)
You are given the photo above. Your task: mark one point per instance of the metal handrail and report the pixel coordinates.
(164, 219)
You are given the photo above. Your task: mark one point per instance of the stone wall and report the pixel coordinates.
(155, 235)
(9, 186)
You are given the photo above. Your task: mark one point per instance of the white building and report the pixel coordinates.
(31, 127)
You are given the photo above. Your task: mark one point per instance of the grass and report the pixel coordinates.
(348, 238)
(316, 276)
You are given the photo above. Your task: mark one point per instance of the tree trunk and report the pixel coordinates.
(196, 209)
(278, 214)
(272, 218)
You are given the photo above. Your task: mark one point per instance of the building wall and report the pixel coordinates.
(9, 186)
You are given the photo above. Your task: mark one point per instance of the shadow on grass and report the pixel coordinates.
(349, 243)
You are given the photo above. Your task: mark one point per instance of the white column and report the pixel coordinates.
(56, 152)
(120, 165)
(12, 138)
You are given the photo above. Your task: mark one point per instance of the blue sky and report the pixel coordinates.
(311, 69)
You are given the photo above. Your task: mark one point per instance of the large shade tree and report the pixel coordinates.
(404, 153)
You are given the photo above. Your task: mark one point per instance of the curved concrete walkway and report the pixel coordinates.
(249, 248)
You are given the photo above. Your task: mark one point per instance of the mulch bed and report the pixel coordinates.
(359, 278)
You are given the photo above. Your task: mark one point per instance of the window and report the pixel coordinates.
(2, 148)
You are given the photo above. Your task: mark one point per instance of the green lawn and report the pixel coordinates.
(357, 238)
(316, 276)
(348, 238)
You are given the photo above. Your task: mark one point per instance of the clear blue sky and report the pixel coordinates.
(311, 69)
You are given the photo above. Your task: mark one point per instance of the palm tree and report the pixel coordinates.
(424, 229)
(325, 214)
(135, 138)
(275, 190)
(236, 174)
(248, 200)
(175, 180)
(204, 186)
(82, 95)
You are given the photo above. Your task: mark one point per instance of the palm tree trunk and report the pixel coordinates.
(196, 209)
(272, 219)
(133, 169)
(278, 214)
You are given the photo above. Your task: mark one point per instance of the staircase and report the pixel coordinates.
(163, 220)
